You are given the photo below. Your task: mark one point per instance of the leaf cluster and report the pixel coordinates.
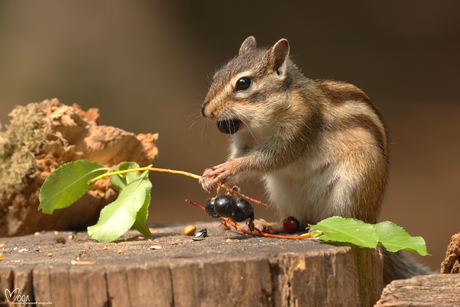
(386, 234)
(130, 210)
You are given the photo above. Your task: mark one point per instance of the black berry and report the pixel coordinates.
(224, 205)
(243, 211)
(228, 126)
(291, 224)
(210, 208)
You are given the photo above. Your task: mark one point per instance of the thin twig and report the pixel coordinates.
(257, 233)
(245, 196)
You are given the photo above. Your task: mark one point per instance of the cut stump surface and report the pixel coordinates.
(170, 269)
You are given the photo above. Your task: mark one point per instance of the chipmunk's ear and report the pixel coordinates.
(248, 45)
(278, 56)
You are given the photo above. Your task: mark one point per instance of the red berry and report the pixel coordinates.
(291, 224)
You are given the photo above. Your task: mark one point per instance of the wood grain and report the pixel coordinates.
(242, 271)
(429, 290)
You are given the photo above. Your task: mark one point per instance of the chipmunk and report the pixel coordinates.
(319, 145)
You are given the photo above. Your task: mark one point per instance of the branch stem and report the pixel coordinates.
(141, 169)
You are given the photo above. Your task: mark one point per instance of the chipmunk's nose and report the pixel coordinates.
(203, 111)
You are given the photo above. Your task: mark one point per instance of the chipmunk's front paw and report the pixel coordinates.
(216, 175)
(207, 183)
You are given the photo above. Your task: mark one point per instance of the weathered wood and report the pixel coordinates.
(451, 264)
(6, 282)
(429, 290)
(226, 269)
(57, 134)
(370, 272)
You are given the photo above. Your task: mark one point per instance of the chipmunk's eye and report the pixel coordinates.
(243, 84)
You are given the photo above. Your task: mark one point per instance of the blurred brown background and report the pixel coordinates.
(146, 65)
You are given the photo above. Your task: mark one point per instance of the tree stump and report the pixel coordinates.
(227, 268)
(428, 290)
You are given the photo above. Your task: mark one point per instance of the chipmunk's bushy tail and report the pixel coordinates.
(400, 266)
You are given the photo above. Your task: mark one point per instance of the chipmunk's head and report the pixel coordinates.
(244, 92)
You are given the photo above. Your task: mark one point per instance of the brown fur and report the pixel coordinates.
(320, 145)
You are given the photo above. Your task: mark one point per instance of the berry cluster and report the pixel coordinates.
(226, 206)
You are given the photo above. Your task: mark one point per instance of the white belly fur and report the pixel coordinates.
(304, 193)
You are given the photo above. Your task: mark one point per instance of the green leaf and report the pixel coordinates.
(395, 238)
(67, 184)
(348, 230)
(119, 216)
(140, 224)
(121, 181)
